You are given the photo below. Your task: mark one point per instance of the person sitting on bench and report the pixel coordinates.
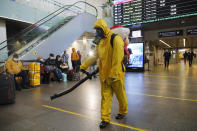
(14, 66)
(50, 66)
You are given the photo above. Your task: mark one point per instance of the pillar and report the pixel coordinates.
(3, 37)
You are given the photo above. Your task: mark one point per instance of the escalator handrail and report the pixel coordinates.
(23, 31)
(50, 19)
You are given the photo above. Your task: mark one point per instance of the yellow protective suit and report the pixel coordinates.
(110, 66)
(13, 67)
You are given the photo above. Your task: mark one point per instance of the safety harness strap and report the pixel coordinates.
(112, 39)
(112, 43)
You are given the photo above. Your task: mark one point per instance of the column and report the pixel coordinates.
(3, 37)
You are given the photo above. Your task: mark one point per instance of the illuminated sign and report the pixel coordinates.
(171, 33)
(192, 31)
(127, 12)
(136, 34)
(148, 11)
(136, 59)
(117, 2)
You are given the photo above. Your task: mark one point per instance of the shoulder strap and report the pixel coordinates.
(112, 39)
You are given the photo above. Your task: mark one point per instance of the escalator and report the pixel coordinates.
(52, 34)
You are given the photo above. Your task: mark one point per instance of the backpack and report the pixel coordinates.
(126, 58)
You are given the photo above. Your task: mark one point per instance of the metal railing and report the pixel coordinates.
(26, 33)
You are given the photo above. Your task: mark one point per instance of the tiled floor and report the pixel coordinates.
(158, 100)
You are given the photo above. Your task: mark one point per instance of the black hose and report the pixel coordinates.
(89, 76)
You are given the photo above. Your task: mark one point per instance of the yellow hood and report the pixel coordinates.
(102, 24)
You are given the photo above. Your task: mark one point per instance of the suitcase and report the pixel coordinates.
(34, 74)
(76, 76)
(70, 75)
(7, 89)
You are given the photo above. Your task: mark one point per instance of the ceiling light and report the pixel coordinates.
(164, 43)
(91, 53)
(184, 42)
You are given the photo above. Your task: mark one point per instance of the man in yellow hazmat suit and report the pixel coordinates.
(111, 71)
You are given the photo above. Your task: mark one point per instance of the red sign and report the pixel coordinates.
(117, 2)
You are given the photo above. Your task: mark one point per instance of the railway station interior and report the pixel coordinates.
(93, 65)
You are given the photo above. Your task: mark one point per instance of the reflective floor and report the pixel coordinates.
(158, 100)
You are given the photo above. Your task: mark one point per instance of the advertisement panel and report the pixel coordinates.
(137, 55)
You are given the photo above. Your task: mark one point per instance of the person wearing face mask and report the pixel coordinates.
(111, 70)
(14, 66)
(59, 62)
(49, 66)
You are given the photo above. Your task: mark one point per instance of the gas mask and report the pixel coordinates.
(99, 35)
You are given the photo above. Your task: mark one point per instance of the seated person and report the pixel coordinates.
(15, 67)
(60, 64)
(50, 66)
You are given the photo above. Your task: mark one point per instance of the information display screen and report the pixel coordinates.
(136, 34)
(127, 11)
(137, 55)
(130, 12)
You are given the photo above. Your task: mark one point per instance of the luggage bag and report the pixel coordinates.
(7, 89)
(70, 75)
(76, 76)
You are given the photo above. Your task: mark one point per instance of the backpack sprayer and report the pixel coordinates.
(89, 76)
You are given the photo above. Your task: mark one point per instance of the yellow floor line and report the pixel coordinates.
(85, 116)
(166, 97)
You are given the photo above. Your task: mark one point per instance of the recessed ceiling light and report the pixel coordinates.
(164, 43)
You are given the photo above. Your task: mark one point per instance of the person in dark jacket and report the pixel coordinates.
(49, 66)
(79, 61)
(190, 58)
(50, 61)
(167, 56)
(60, 64)
(185, 55)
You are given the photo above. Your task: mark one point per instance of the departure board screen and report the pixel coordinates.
(127, 11)
(133, 12)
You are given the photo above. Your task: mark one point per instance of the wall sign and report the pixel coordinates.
(192, 31)
(171, 33)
